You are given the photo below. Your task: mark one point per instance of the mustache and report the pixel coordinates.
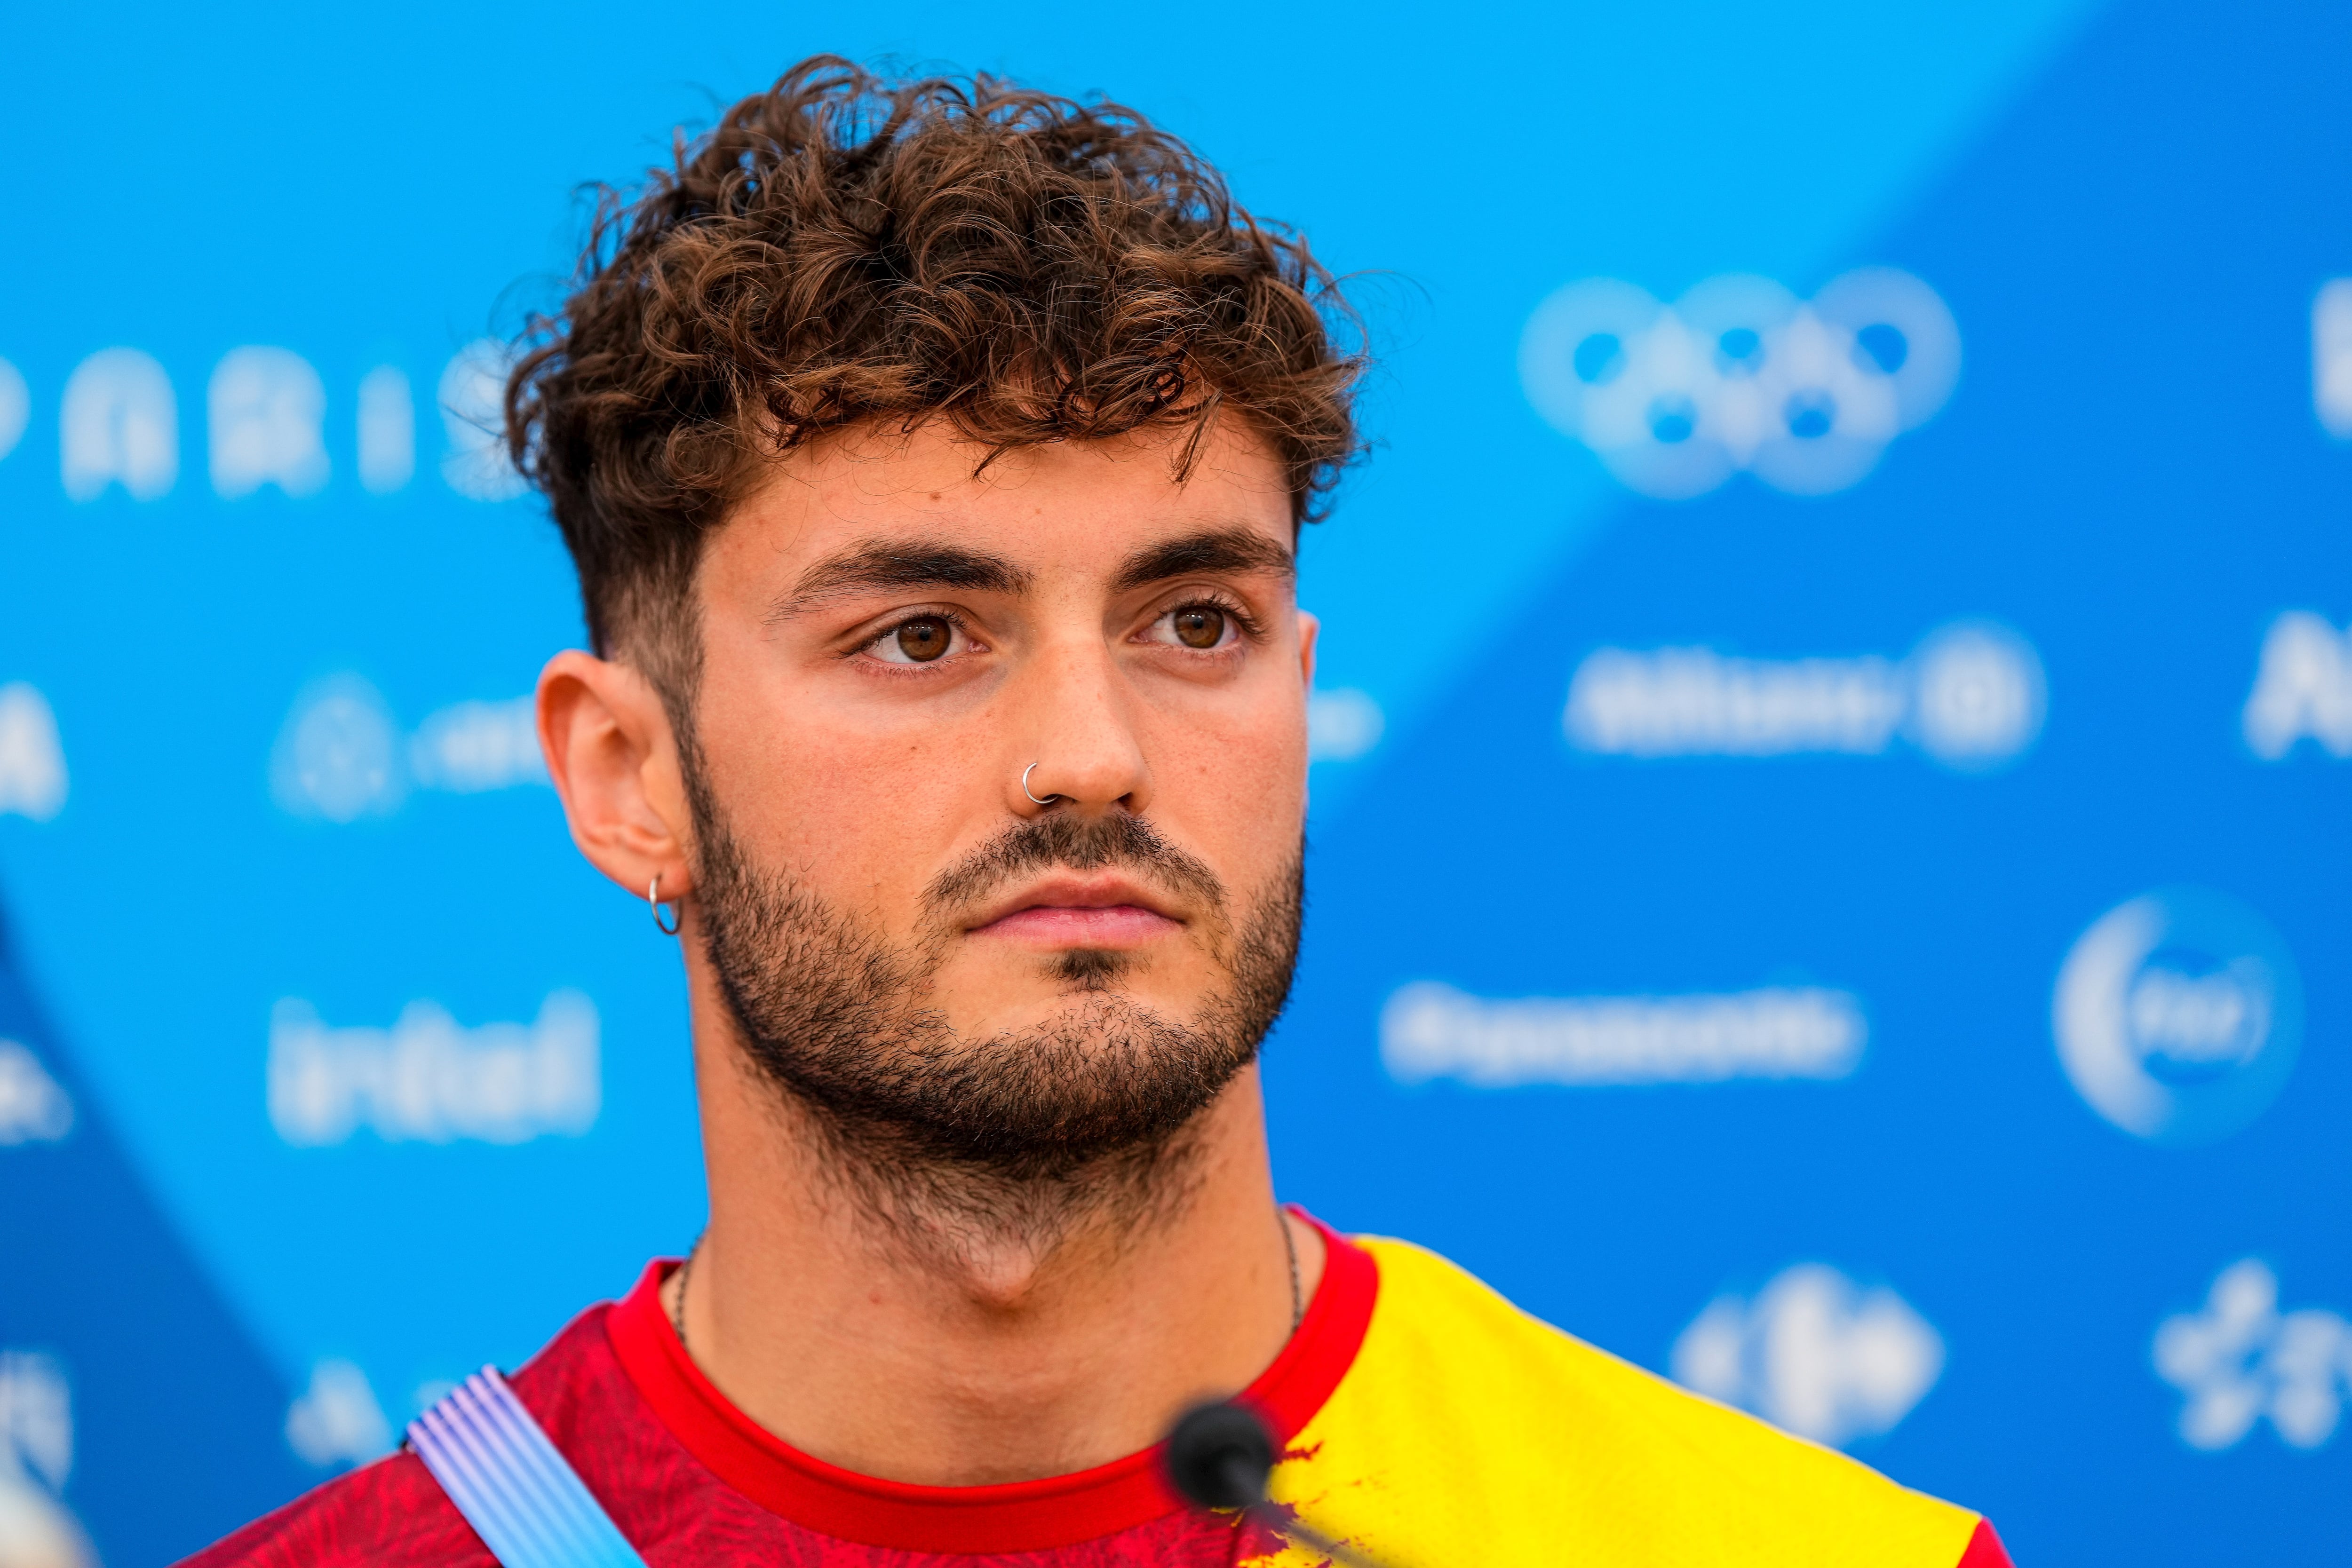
(1081, 844)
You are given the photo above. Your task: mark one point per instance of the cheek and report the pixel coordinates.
(1244, 791)
(862, 818)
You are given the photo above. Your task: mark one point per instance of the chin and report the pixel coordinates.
(1036, 987)
(1079, 1000)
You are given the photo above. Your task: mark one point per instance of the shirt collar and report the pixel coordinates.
(1019, 1516)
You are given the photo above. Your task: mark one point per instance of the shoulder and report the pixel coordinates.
(390, 1513)
(1466, 1421)
(393, 1512)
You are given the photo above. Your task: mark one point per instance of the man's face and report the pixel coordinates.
(890, 644)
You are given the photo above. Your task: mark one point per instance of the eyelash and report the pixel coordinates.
(909, 619)
(1222, 604)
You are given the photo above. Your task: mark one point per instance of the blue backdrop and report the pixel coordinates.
(1829, 864)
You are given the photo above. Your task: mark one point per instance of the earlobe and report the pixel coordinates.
(613, 760)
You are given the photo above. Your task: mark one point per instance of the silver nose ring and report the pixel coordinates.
(1024, 788)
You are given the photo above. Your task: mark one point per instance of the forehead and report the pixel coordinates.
(1083, 508)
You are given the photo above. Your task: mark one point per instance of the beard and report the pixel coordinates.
(1013, 1133)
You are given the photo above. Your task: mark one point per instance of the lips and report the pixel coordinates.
(1080, 912)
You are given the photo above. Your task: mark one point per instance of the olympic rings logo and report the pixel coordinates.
(1739, 373)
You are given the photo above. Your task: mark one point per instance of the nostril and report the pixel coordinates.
(1034, 798)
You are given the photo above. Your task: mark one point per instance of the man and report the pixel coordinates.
(933, 457)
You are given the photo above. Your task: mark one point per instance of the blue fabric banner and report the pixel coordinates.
(1828, 870)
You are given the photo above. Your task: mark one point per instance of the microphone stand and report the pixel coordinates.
(1307, 1535)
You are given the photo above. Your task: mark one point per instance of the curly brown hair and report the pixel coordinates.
(846, 249)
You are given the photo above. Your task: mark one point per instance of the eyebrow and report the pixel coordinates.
(1215, 549)
(881, 565)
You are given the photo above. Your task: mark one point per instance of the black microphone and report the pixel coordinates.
(1220, 1456)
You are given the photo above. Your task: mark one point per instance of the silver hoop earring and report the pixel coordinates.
(1024, 788)
(653, 897)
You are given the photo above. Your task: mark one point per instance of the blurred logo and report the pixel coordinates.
(1739, 373)
(336, 1420)
(387, 430)
(1972, 695)
(471, 746)
(1342, 725)
(2239, 1359)
(340, 755)
(32, 761)
(266, 409)
(15, 407)
(473, 416)
(2331, 357)
(119, 424)
(1815, 1353)
(2303, 688)
(2178, 1016)
(36, 1453)
(32, 1108)
(428, 1079)
(1430, 1031)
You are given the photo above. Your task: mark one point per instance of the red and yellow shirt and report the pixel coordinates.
(1425, 1420)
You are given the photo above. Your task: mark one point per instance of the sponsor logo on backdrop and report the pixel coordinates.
(1431, 1031)
(34, 1108)
(266, 413)
(468, 747)
(1971, 697)
(1342, 725)
(36, 1435)
(15, 407)
(36, 1455)
(387, 430)
(1815, 1353)
(2303, 688)
(336, 1421)
(119, 424)
(473, 416)
(2178, 1016)
(2331, 357)
(340, 755)
(32, 759)
(430, 1079)
(2239, 1360)
(1739, 373)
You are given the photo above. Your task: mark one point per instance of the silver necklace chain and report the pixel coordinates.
(1289, 1245)
(678, 1307)
(1297, 1301)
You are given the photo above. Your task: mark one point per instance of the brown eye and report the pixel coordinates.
(924, 639)
(1200, 625)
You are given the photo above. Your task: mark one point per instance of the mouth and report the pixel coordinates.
(1103, 910)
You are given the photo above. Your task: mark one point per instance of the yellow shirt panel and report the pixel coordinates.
(1467, 1432)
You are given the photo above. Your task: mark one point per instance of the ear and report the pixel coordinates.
(1309, 628)
(614, 759)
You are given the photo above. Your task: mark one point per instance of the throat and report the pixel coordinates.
(1006, 1276)
(1007, 1244)
(950, 1327)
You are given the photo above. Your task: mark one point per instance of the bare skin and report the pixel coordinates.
(866, 733)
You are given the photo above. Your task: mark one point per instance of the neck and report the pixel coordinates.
(951, 1333)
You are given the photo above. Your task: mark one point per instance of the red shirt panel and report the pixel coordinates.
(691, 1481)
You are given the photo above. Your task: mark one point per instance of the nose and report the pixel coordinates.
(1083, 752)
